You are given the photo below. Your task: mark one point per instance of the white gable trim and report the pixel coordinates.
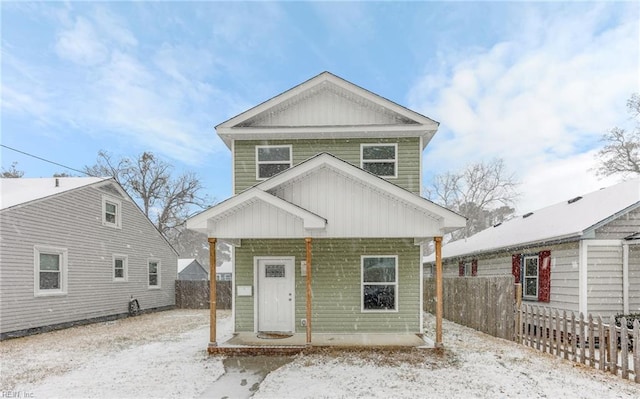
(200, 222)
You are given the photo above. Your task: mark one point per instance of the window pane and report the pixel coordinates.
(379, 297)
(49, 280)
(379, 270)
(153, 267)
(153, 279)
(379, 152)
(380, 168)
(274, 271)
(273, 154)
(49, 262)
(111, 208)
(119, 273)
(531, 267)
(271, 169)
(530, 286)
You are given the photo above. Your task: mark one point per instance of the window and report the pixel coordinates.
(120, 267)
(50, 271)
(533, 271)
(271, 160)
(468, 268)
(379, 283)
(111, 212)
(154, 273)
(379, 159)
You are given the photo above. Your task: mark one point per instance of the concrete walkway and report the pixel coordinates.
(243, 375)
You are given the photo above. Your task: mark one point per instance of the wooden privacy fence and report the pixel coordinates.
(482, 303)
(591, 342)
(195, 294)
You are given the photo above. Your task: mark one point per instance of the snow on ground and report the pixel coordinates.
(163, 355)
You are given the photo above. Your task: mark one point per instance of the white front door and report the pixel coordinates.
(276, 298)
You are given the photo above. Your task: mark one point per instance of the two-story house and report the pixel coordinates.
(327, 219)
(75, 250)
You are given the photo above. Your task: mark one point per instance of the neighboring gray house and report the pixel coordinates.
(580, 255)
(191, 269)
(224, 271)
(74, 250)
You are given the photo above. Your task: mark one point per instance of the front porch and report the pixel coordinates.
(249, 343)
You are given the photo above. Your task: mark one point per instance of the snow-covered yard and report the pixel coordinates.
(163, 355)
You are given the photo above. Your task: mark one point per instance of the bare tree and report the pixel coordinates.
(483, 192)
(165, 199)
(621, 152)
(12, 172)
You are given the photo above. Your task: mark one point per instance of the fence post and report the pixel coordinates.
(613, 347)
(581, 336)
(592, 343)
(518, 323)
(636, 349)
(624, 348)
(602, 344)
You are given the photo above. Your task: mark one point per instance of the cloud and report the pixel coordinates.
(541, 100)
(80, 44)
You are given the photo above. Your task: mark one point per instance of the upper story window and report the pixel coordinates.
(111, 212)
(380, 159)
(379, 283)
(50, 271)
(272, 159)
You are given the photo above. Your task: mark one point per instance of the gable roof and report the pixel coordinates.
(270, 210)
(18, 191)
(361, 114)
(183, 263)
(575, 218)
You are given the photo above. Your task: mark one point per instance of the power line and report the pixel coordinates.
(45, 160)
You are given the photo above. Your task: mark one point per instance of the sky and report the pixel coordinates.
(536, 84)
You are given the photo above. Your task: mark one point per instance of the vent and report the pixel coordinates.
(526, 215)
(572, 200)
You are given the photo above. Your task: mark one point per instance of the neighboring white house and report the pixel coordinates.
(579, 255)
(75, 250)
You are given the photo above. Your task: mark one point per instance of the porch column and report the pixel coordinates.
(308, 245)
(212, 292)
(439, 307)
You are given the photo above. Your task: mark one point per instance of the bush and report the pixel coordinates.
(631, 317)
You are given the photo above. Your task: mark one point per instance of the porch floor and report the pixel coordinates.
(251, 343)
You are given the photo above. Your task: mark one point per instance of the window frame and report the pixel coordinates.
(394, 160)
(536, 257)
(62, 254)
(117, 224)
(157, 273)
(258, 162)
(125, 267)
(395, 284)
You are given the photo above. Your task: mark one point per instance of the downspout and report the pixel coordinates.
(625, 278)
(583, 289)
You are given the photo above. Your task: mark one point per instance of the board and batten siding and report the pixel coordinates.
(409, 153)
(336, 284)
(604, 278)
(73, 221)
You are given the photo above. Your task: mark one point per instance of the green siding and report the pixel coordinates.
(336, 283)
(409, 153)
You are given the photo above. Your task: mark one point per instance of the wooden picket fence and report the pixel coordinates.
(588, 341)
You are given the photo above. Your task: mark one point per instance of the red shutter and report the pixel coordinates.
(515, 267)
(474, 267)
(461, 268)
(544, 276)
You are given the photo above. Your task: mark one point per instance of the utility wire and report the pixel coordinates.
(42, 159)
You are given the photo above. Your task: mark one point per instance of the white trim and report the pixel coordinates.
(256, 289)
(420, 169)
(159, 268)
(582, 276)
(118, 216)
(421, 290)
(395, 158)
(258, 163)
(396, 284)
(125, 267)
(625, 278)
(63, 257)
(233, 286)
(233, 167)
